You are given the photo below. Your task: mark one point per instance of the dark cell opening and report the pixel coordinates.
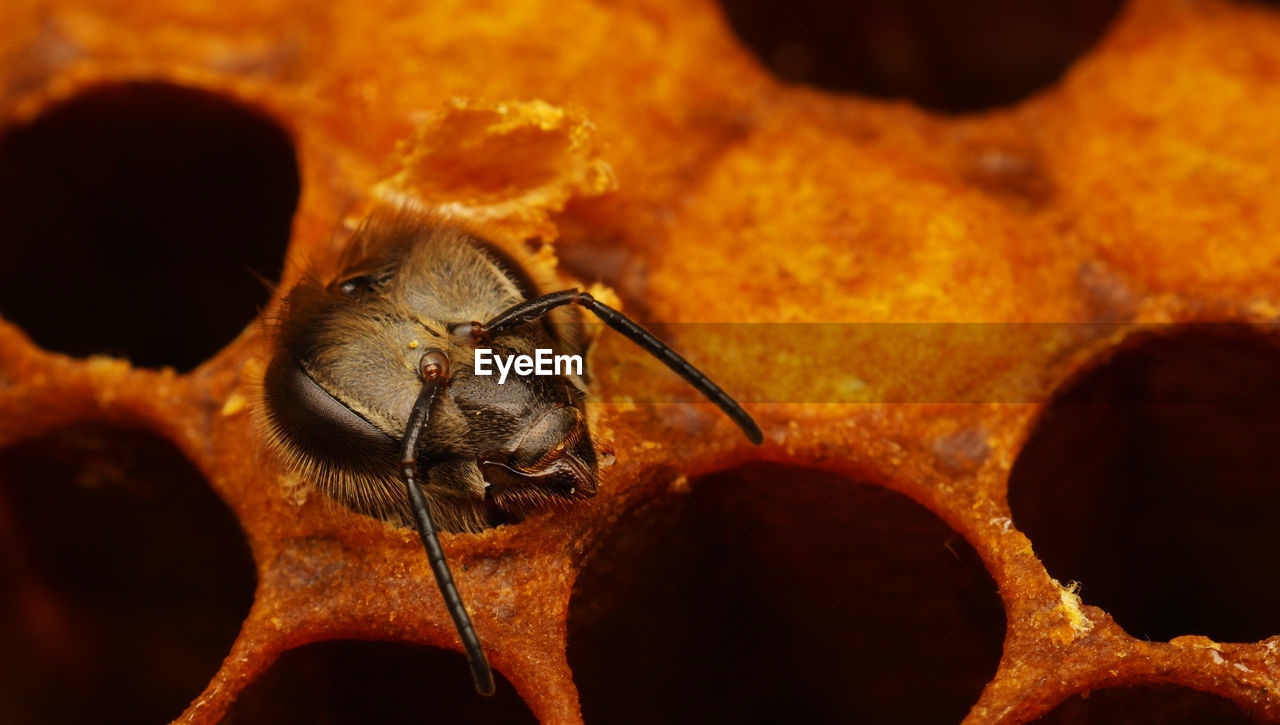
(373, 682)
(1153, 480)
(123, 579)
(134, 218)
(780, 594)
(946, 56)
(1146, 705)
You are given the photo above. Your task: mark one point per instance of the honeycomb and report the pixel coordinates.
(1015, 365)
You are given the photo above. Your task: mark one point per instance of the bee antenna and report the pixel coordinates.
(435, 368)
(530, 310)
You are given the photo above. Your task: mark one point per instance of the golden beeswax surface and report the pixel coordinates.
(1015, 368)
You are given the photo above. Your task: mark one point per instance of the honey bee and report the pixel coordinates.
(372, 390)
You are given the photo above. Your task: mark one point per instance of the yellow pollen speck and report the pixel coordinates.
(413, 344)
(234, 404)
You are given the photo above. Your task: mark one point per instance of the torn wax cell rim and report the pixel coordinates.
(928, 363)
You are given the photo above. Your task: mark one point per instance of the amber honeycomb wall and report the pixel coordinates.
(1072, 524)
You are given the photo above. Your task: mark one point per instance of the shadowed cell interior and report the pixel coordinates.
(1151, 479)
(1146, 705)
(141, 220)
(941, 55)
(770, 593)
(346, 681)
(123, 579)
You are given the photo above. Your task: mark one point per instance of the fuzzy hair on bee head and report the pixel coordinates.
(350, 339)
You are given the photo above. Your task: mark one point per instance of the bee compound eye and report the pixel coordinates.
(353, 285)
(434, 364)
(361, 283)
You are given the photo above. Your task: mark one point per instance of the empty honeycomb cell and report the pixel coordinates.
(123, 583)
(347, 681)
(771, 593)
(940, 55)
(1126, 173)
(1146, 705)
(140, 220)
(1151, 479)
